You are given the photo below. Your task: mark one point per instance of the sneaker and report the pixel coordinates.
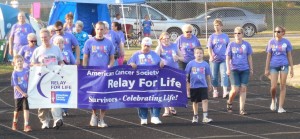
(102, 124)
(94, 120)
(14, 126)
(195, 119)
(144, 121)
(155, 120)
(58, 123)
(225, 94)
(215, 94)
(65, 114)
(273, 105)
(27, 128)
(45, 125)
(281, 110)
(206, 120)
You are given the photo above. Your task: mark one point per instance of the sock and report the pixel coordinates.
(242, 100)
(15, 120)
(205, 114)
(25, 123)
(224, 89)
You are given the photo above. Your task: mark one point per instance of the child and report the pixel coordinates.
(68, 59)
(198, 73)
(20, 83)
(147, 26)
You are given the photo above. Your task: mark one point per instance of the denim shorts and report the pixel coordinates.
(239, 78)
(282, 69)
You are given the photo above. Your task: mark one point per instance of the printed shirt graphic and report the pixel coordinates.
(148, 59)
(115, 39)
(47, 56)
(279, 50)
(147, 26)
(81, 37)
(239, 55)
(70, 29)
(20, 32)
(218, 44)
(99, 52)
(20, 78)
(167, 53)
(187, 46)
(27, 52)
(198, 72)
(68, 58)
(70, 41)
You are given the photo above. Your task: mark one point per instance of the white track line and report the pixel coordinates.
(19, 132)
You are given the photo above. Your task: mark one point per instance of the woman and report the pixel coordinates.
(186, 43)
(81, 37)
(216, 45)
(279, 58)
(116, 27)
(146, 57)
(69, 26)
(27, 50)
(51, 30)
(239, 67)
(169, 54)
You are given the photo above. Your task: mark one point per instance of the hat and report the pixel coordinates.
(147, 41)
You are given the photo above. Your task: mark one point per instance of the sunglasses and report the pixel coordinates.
(148, 45)
(33, 41)
(238, 33)
(277, 31)
(58, 30)
(188, 32)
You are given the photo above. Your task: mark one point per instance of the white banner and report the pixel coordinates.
(53, 87)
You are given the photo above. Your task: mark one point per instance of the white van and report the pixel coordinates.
(134, 14)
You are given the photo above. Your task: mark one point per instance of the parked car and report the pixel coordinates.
(231, 18)
(134, 15)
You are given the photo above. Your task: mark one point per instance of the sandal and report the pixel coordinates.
(229, 107)
(166, 115)
(243, 112)
(173, 112)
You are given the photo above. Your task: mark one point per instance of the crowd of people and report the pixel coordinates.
(68, 44)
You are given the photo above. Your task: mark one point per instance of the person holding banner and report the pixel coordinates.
(146, 57)
(169, 54)
(98, 51)
(48, 55)
(186, 43)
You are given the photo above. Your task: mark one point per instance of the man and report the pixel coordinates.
(48, 55)
(98, 51)
(71, 42)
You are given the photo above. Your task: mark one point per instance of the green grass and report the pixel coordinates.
(5, 68)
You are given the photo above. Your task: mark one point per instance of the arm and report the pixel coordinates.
(133, 65)
(209, 86)
(228, 60)
(179, 55)
(111, 61)
(210, 54)
(10, 44)
(250, 64)
(267, 68)
(77, 50)
(85, 60)
(290, 59)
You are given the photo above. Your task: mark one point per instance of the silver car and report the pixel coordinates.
(231, 18)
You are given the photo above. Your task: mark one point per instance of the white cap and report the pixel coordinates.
(147, 41)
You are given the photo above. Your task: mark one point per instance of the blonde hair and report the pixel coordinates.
(58, 39)
(163, 34)
(50, 28)
(44, 30)
(218, 21)
(186, 26)
(17, 57)
(31, 36)
(69, 15)
(79, 23)
(240, 29)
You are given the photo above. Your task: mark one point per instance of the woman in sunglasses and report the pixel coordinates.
(27, 50)
(239, 67)
(279, 58)
(186, 43)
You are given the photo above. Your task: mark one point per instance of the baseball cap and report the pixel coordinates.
(147, 41)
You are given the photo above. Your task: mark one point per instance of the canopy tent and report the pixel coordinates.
(105, 1)
(8, 17)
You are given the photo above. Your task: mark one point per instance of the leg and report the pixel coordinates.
(101, 122)
(224, 79)
(215, 77)
(195, 109)
(243, 99)
(44, 117)
(283, 77)
(57, 117)
(274, 78)
(143, 114)
(94, 118)
(167, 112)
(27, 128)
(15, 120)
(205, 109)
(155, 112)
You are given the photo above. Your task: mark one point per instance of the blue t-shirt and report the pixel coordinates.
(279, 50)
(218, 44)
(68, 58)
(147, 26)
(70, 41)
(115, 39)
(99, 51)
(81, 37)
(20, 78)
(187, 46)
(166, 54)
(121, 36)
(142, 59)
(27, 52)
(239, 55)
(198, 72)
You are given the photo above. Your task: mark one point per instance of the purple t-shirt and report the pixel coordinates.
(99, 51)
(70, 29)
(197, 73)
(70, 41)
(27, 52)
(187, 46)
(20, 32)
(121, 36)
(166, 54)
(20, 78)
(279, 50)
(142, 59)
(147, 26)
(239, 55)
(218, 44)
(68, 57)
(115, 39)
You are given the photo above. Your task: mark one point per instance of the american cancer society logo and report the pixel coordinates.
(60, 97)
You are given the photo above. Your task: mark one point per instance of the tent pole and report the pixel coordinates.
(124, 23)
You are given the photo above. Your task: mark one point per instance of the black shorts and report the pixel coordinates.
(21, 104)
(198, 94)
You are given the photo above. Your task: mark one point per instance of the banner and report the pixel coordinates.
(52, 87)
(122, 87)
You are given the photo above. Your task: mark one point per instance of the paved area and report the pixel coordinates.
(124, 123)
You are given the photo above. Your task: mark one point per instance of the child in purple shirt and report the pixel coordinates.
(147, 26)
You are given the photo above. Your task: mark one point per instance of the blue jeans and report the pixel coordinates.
(215, 68)
(239, 78)
(143, 112)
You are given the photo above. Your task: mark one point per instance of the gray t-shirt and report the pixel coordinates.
(47, 56)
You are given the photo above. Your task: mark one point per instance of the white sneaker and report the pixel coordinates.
(195, 119)
(144, 121)
(94, 120)
(281, 110)
(215, 94)
(273, 106)
(207, 120)
(225, 94)
(58, 123)
(102, 124)
(155, 120)
(45, 125)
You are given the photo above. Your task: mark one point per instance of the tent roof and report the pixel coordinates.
(105, 1)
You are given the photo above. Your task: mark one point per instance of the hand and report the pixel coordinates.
(133, 65)
(10, 51)
(176, 58)
(251, 72)
(228, 72)
(24, 95)
(209, 87)
(291, 73)
(267, 72)
(161, 64)
(77, 61)
(211, 59)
